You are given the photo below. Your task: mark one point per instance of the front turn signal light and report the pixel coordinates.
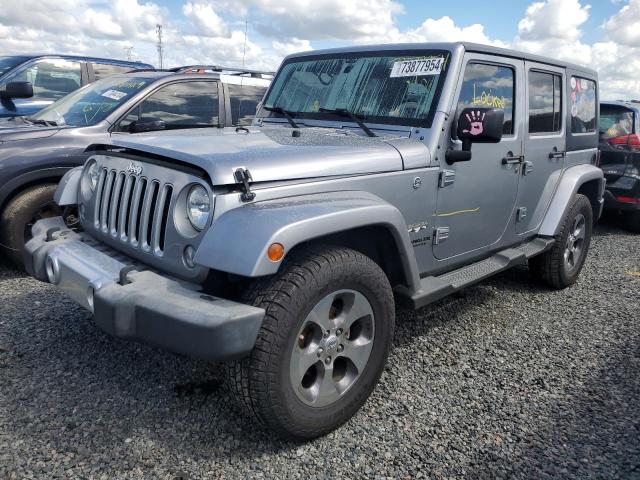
(275, 252)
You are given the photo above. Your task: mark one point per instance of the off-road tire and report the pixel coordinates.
(632, 222)
(261, 381)
(551, 266)
(17, 214)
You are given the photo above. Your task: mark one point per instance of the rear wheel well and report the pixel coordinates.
(591, 190)
(376, 242)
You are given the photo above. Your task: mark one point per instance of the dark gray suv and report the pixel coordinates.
(38, 150)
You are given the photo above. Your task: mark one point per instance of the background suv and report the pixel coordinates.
(40, 149)
(28, 83)
(620, 159)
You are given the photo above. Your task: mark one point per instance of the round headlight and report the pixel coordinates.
(198, 207)
(93, 173)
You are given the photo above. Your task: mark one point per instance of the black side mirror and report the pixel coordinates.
(17, 90)
(147, 125)
(476, 125)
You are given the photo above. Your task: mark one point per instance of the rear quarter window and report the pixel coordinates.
(583, 105)
(615, 122)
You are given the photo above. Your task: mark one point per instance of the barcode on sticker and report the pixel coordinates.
(417, 67)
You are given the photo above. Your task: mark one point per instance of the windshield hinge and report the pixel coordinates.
(243, 177)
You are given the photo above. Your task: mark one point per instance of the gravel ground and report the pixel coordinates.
(506, 380)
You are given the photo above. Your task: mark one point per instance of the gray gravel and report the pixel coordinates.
(507, 380)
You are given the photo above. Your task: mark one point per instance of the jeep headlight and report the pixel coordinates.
(198, 207)
(92, 174)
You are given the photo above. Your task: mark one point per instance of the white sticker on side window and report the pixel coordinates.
(417, 67)
(114, 94)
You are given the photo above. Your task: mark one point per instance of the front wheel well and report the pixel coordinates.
(52, 180)
(591, 190)
(376, 242)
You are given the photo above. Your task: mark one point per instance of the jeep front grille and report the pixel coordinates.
(133, 209)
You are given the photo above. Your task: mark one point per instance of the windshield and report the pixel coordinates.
(7, 63)
(390, 87)
(93, 103)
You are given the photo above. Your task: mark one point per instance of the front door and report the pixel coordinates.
(475, 210)
(544, 144)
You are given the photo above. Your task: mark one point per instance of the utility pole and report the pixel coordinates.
(128, 52)
(244, 48)
(159, 45)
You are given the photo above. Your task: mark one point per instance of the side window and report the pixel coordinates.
(583, 105)
(51, 79)
(489, 86)
(545, 102)
(244, 101)
(179, 105)
(102, 70)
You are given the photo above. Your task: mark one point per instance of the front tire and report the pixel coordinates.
(323, 344)
(19, 216)
(560, 267)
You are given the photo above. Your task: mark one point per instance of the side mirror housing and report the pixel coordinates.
(476, 125)
(17, 90)
(147, 125)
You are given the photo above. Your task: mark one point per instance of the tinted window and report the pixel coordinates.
(7, 63)
(179, 105)
(389, 87)
(244, 101)
(51, 78)
(583, 105)
(489, 86)
(545, 102)
(615, 122)
(101, 70)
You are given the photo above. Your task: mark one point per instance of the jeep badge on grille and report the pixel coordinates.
(133, 169)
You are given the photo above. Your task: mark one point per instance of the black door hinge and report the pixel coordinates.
(243, 177)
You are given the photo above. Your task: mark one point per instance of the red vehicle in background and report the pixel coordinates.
(620, 159)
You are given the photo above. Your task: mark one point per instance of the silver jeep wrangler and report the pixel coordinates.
(371, 174)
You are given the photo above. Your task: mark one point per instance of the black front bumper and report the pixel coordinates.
(140, 305)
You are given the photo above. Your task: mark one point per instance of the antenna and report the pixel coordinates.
(244, 49)
(159, 46)
(128, 52)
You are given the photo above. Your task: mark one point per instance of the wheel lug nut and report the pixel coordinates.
(340, 348)
(320, 350)
(326, 333)
(339, 331)
(327, 360)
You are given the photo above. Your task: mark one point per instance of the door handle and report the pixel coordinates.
(512, 159)
(554, 155)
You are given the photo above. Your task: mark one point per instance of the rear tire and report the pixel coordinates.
(560, 267)
(632, 222)
(323, 344)
(19, 215)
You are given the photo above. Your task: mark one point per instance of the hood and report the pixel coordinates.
(10, 133)
(273, 153)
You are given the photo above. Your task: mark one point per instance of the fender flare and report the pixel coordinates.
(572, 179)
(68, 188)
(238, 240)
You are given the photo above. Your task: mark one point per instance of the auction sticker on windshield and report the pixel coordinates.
(114, 94)
(417, 67)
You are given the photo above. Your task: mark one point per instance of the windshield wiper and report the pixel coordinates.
(343, 112)
(285, 113)
(47, 123)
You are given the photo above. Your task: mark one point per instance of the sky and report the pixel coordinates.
(603, 34)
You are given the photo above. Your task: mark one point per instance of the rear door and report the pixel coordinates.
(475, 210)
(544, 143)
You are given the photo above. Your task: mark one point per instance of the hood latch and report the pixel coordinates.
(243, 177)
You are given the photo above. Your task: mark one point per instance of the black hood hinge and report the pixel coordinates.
(243, 177)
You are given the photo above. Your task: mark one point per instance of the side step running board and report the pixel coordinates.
(435, 288)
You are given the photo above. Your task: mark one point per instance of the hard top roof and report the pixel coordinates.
(469, 47)
(630, 104)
